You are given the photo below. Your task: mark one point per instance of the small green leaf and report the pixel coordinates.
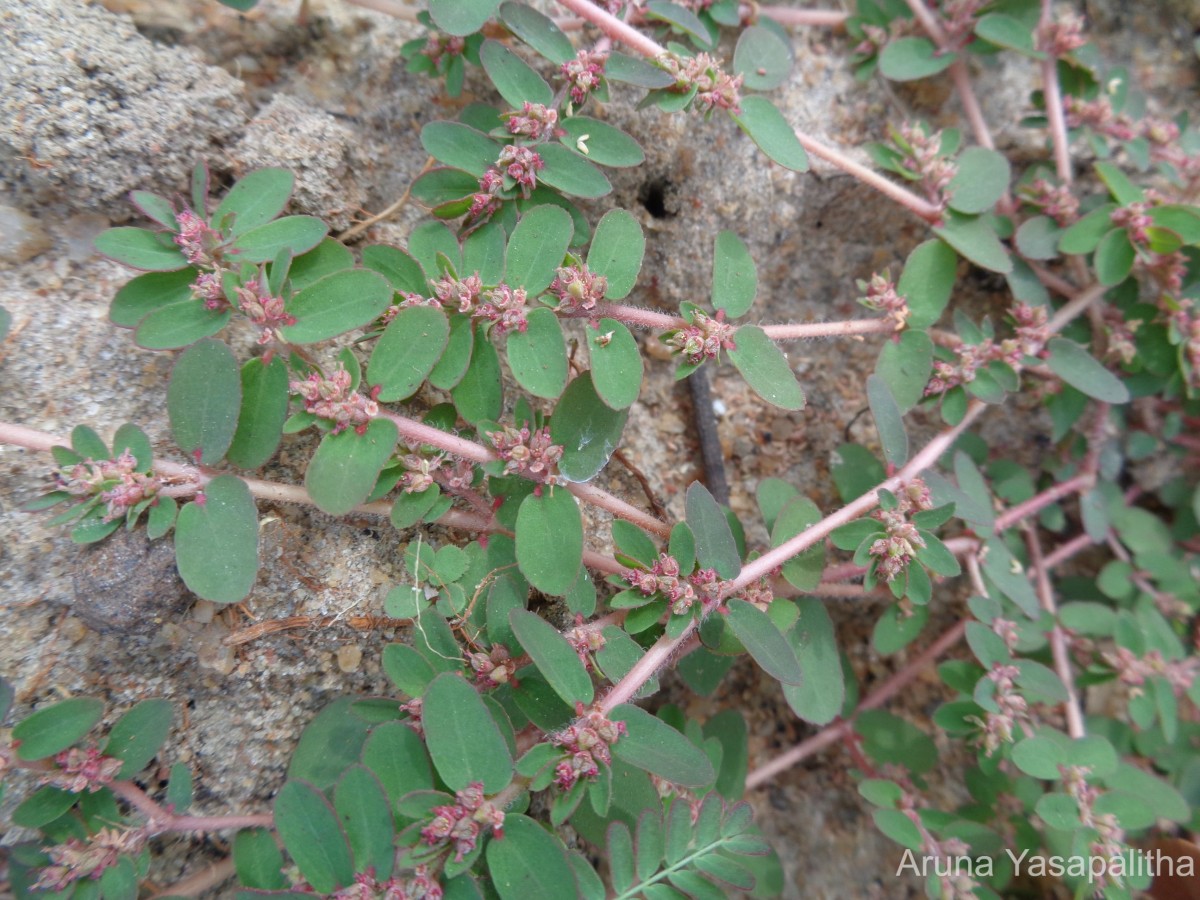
(769, 130)
(616, 252)
(1040, 757)
(363, 809)
(636, 71)
(550, 540)
(130, 437)
(408, 351)
(601, 143)
(715, 545)
(617, 367)
(479, 393)
(140, 248)
(203, 400)
(679, 17)
(449, 370)
(462, 17)
(137, 736)
(263, 411)
(255, 200)
(587, 429)
(313, 836)
(346, 465)
(55, 728)
(538, 355)
(571, 172)
(976, 240)
(459, 146)
(258, 862)
(396, 754)
(905, 365)
(1007, 31)
(889, 421)
(927, 282)
(43, 806)
(763, 641)
(179, 325)
(483, 252)
(1084, 235)
(537, 247)
(762, 58)
(402, 271)
(887, 738)
(462, 737)
(765, 368)
(216, 541)
(735, 280)
(141, 296)
(336, 304)
(553, 655)
(515, 80)
(1124, 191)
(155, 207)
(1114, 257)
(981, 179)
(296, 233)
(803, 571)
(911, 58)
(820, 695)
(161, 518)
(529, 862)
(1078, 368)
(1038, 238)
(538, 31)
(653, 745)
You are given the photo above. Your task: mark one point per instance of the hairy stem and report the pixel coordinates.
(1058, 639)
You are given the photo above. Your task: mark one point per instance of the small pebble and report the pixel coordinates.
(349, 658)
(21, 237)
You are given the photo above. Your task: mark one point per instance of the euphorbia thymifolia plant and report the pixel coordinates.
(506, 725)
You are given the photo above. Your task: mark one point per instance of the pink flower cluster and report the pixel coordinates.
(77, 859)
(681, 591)
(586, 641)
(703, 339)
(1030, 340)
(521, 165)
(195, 238)
(423, 885)
(528, 453)
(1062, 35)
(331, 398)
(535, 121)
(83, 770)
(583, 74)
(505, 306)
(587, 742)
(419, 471)
(922, 156)
(263, 308)
(439, 45)
(461, 824)
(460, 296)
(896, 550)
(115, 480)
(881, 296)
(494, 668)
(1012, 709)
(714, 88)
(1057, 201)
(578, 289)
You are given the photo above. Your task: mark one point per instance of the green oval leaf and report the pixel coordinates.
(479, 393)
(553, 655)
(343, 471)
(550, 540)
(601, 143)
(263, 411)
(529, 862)
(313, 836)
(179, 325)
(203, 400)
(140, 248)
(1114, 257)
(459, 146)
(141, 296)
(735, 279)
(513, 77)
(130, 437)
(819, 697)
(765, 368)
(905, 365)
(889, 421)
(138, 735)
(538, 355)
(654, 746)
(976, 240)
(1007, 31)
(537, 247)
(982, 179)
(216, 541)
(1078, 368)
(763, 641)
(618, 247)
(927, 282)
(407, 352)
(715, 545)
(255, 200)
(362, 806)
(769, 130)
(336, 304)
(538, 31)
(762, 58)
(910, 58)
(401, 270)
(617, 367)
(296, 233)
(587, 429)
(462, 17)
(55, 728)
(463, 739)
(258, 861)
(571, 173)
(802, 571)
(1084, 235)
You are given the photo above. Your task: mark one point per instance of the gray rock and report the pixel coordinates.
(128, 585)
(90, 109)
(316, 148)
